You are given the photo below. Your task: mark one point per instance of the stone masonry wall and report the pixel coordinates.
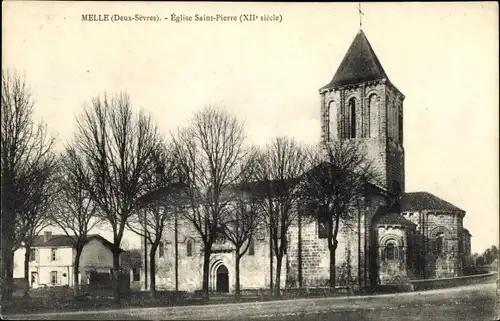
(429, 224)
(254, 269)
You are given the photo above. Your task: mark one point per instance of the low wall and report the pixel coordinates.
(429, 284)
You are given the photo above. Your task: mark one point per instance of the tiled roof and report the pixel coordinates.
(360, 64)
(395, 219)
(418, 201)
(63, 240)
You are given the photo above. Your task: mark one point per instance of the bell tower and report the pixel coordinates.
(360, 103)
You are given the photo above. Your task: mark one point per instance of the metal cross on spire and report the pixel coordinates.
(361, 14)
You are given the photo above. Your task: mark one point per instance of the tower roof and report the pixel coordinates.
(360, 64)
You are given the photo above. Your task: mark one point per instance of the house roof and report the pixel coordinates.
(63, 240)
(418, 201)
(360, 64)
(395, 219)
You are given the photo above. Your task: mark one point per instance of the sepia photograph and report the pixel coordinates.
(250, 161)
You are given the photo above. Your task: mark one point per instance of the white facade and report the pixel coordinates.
(53, 266)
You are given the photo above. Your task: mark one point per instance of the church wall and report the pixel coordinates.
(254, 269)
(467, 259)
(391, 270)
(395, 149)
(429, 224)
(316, 256)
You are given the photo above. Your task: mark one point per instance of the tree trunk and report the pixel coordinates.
(270, 260)
(76, 270)
(277, 283)
(237, 288)
(152, 270)
(332, 248)
(27, 269)
(9, 274)
(176, 255)
(300, 251)
(206, 271)
(116, 274)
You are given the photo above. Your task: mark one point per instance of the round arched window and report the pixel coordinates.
(390, 252)
(439, 244)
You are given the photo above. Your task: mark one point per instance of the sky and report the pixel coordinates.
(442, 56)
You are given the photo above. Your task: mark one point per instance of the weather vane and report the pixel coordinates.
(361, 14)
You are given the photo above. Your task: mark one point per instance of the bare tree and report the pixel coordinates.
(280, 167)
(37, 217)
(25, 146)
(74, 211)
(112, 155)
(156, 208)
(208, 153)
(337, 180)
(241, 219)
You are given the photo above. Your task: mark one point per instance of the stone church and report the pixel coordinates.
(397, 236)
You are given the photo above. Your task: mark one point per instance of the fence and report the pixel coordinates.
(453, 282)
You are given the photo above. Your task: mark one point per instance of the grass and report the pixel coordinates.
(58, 300)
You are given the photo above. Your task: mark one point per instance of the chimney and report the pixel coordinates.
(46, 236)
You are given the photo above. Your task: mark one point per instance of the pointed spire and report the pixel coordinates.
(360, 64)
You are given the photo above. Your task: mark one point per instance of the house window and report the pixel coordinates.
(53, 277)
(32, 255)
(251, 247)
(390, 252)
(352, 109)
(136, 274)
(322, 227)
(189, 248)
(53, 254)
(161, 250)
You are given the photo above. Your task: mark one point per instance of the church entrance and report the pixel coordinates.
(222, 281)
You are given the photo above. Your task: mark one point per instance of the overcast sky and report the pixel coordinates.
(443, 58)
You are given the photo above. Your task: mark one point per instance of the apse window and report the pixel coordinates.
(439, 244)
(390, 252)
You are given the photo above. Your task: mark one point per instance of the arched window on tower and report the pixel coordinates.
(332, 112)
(352, 124)
(372, 116)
